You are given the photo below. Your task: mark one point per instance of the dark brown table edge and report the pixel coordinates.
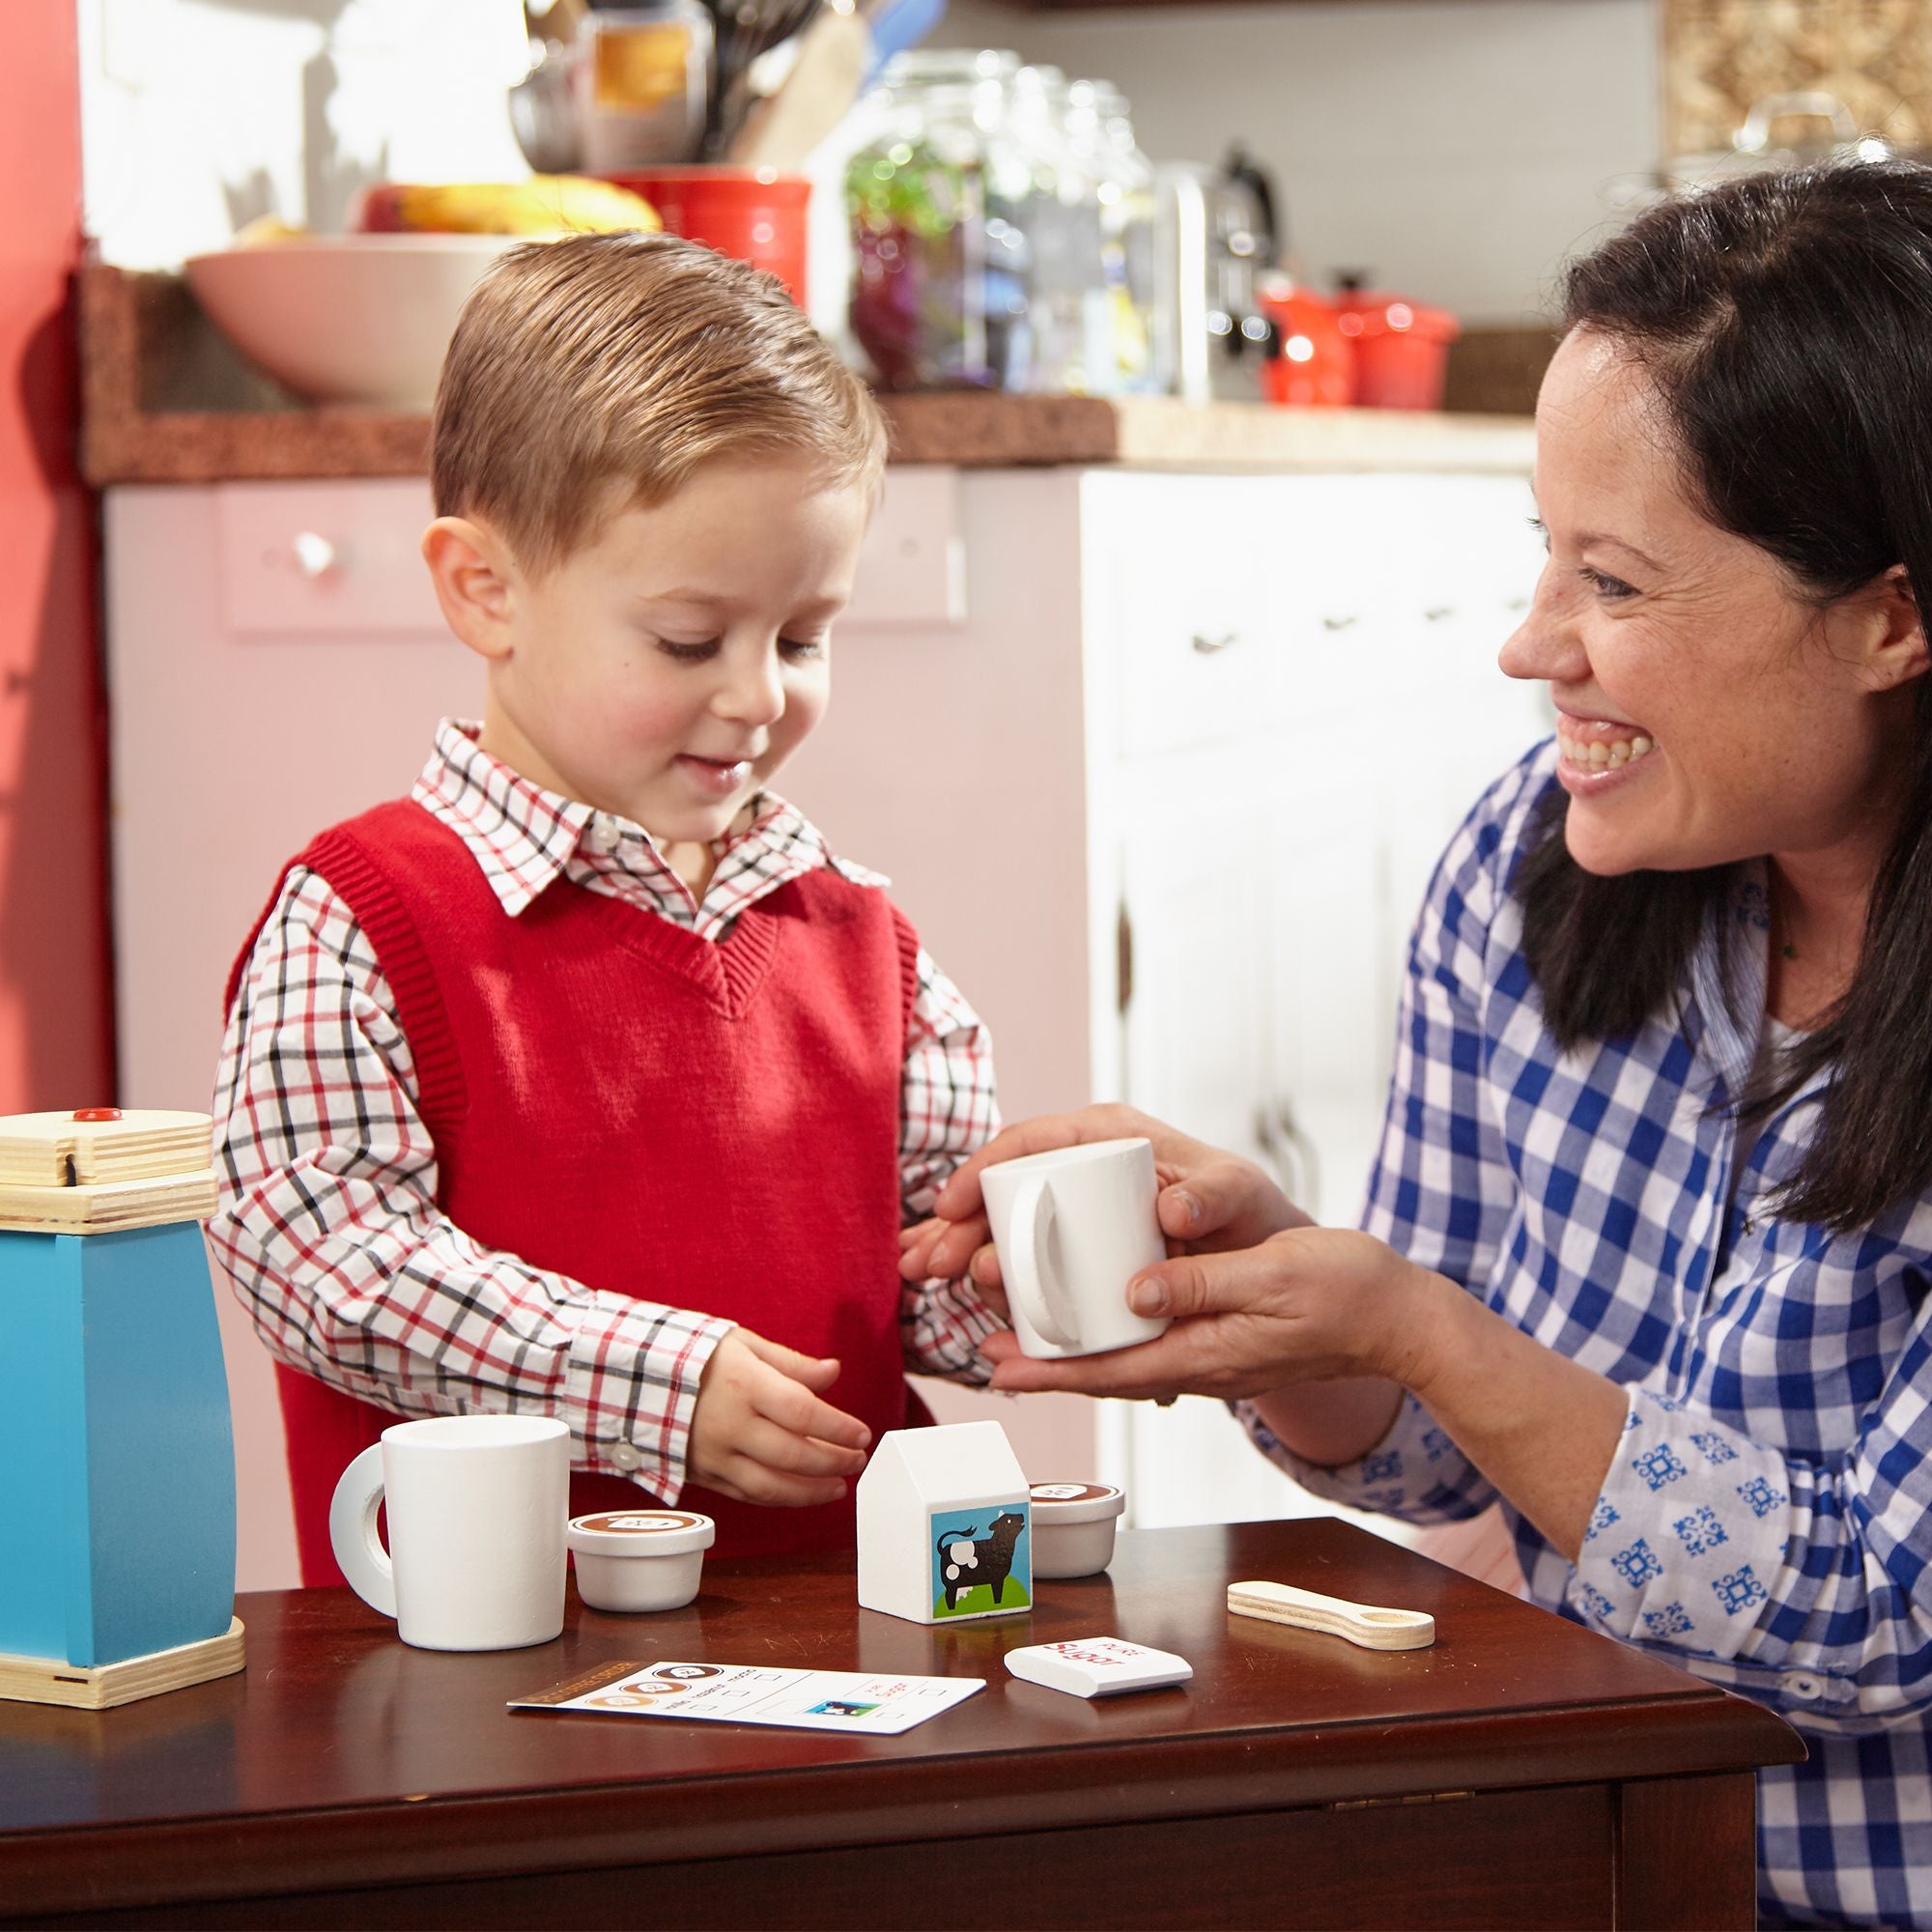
(637, 1824)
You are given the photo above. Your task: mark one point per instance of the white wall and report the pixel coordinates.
(1456, 148)
(198, 115)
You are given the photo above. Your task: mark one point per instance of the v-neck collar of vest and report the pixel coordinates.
(726, 972)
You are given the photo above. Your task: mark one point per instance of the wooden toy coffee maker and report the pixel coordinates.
(117, 1459)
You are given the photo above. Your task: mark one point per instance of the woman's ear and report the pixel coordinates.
(1891, 634)
(476, 582)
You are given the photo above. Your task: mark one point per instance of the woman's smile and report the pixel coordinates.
(1599, 754)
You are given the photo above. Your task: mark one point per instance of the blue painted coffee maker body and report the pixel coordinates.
(117, 1462)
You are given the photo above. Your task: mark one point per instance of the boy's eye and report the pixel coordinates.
(802, 647)
(688, 653)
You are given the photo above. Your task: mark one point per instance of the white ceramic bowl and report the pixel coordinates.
(346, 318)
(1073, 1528)
(642, 1559)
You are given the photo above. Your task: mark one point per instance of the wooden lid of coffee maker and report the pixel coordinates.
(97, 1170)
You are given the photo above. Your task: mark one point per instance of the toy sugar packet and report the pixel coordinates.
(746, 1694)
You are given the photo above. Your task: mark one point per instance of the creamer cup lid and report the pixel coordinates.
(1076, 1502)
(641, 1532)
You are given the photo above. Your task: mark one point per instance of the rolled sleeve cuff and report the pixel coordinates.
(1685, 1549)
(633, 1380)
(942, 1323)
(1414, 1473)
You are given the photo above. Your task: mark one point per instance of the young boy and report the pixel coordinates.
(585, 1081)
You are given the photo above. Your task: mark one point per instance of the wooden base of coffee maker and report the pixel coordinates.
(48, 1680)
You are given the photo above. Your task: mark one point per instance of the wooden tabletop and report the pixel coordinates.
(343, 1757)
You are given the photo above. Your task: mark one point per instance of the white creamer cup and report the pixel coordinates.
(1073, 1526)
(640, 1559)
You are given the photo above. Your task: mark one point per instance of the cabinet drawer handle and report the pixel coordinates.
(1338, 623)
(1209, 646)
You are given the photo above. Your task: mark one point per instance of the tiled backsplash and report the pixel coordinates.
(1720, 56)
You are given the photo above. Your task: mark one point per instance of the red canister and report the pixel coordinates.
(1402, 348)
(756, 213)
(1311, 364)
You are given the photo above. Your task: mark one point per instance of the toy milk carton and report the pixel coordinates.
(117, 1463)
(945, 1525)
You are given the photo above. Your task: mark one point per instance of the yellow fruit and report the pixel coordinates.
(266, 229)
(543, 205)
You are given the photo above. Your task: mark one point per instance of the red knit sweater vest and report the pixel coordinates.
(708, 1126)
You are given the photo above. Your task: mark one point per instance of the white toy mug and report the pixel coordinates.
(477, 1508)
(1072, 1228)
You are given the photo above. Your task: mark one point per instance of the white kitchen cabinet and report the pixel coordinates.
(1212, 729)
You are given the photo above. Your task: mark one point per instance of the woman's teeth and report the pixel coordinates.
(1600, 757)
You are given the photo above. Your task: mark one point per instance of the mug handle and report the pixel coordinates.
(1035, 1284)
(352, 1530)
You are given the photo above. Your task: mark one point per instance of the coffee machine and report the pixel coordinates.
(1214, 235)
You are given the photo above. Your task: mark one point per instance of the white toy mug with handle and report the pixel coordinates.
(1072, 1228)
(478, 1506)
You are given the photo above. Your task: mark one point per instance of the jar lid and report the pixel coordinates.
(641, 1532)
(1055, 1503)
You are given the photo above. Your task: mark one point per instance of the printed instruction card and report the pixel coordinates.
(746, 1694)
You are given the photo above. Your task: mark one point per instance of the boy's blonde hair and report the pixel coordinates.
(629, 359)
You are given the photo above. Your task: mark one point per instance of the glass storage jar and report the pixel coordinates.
(938, 201)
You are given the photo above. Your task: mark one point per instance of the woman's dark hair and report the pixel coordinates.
(1785, 321)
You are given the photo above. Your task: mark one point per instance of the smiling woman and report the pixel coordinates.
(1649, 1233)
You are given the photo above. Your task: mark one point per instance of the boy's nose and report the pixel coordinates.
(1548, 643)
(752, 692)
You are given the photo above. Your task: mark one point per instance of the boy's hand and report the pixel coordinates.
(917, 1242)
(760, 1434)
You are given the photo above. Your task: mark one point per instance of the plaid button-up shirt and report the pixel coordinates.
(1765, 1520)
(327, 1225)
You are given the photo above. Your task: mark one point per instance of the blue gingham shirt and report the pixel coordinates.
(1767, 1520)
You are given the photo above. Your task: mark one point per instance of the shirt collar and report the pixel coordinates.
(523, 837)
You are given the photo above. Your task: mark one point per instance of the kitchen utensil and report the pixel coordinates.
(1368, 1625)
(834, 54)
(1401, 348)
(748, 32)
(477, 1507)
(1072, 1228)
(349, 318)
(756, 213)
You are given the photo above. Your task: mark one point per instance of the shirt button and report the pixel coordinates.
(1801, 1684)
(626, 1455)
(604, 836)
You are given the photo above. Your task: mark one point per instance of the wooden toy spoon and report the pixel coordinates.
(1369, 1625)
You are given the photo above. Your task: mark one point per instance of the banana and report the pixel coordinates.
(543, 205)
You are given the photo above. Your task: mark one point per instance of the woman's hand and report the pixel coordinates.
(1210, 1202)
(1307, 1305)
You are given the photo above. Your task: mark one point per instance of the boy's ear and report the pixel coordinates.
(476, 582)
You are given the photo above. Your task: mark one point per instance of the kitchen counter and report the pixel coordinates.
(167, 401)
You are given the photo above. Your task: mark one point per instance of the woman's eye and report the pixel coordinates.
(1608, 588)
(688, 653)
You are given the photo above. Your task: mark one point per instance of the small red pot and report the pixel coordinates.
(1402, 348)
(1314, 366)
(756, 213)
